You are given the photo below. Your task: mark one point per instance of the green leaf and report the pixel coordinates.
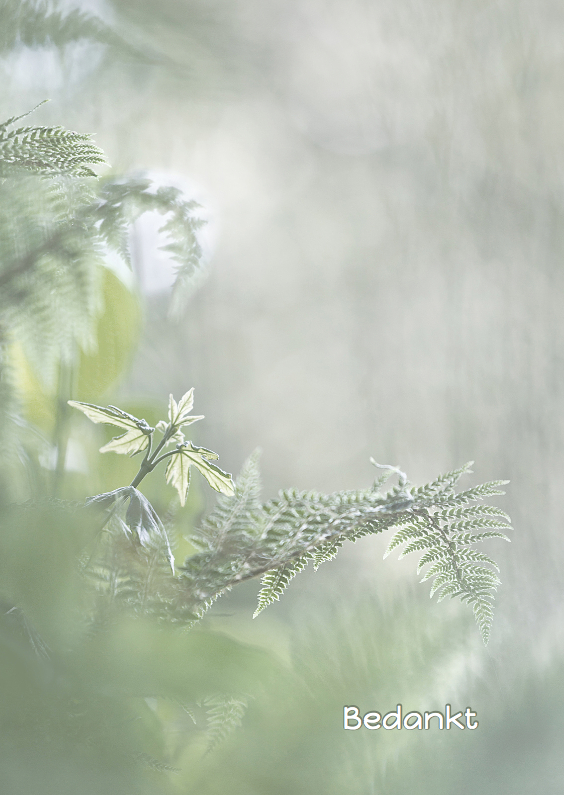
(178, 470)
(131, 442)
(178, 475)
(117, 333)
(110, 415)
(137, 433)
(178, 413)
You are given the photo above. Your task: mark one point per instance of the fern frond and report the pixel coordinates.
(36, 24)
(122, 201)
(446, 532)
(243, 539)
(408, 533)
(275, 582)
(474, 511)
(444, 483)
(327, 552)
(154, 764)
(236, 516)
(427, 541)
(46, 150)
(224, 715)
(483, 614)
(490, 489)
(278, 539)
(469, 538)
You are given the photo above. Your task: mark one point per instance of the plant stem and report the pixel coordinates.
(61, 436)
(151, 461)
(144, 469)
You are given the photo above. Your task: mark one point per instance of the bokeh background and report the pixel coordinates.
(382, 184)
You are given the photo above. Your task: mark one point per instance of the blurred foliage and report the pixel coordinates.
(116, 334)
(75, 694)
(377, 653)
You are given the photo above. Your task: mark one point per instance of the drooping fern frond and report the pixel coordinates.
(282, 533)
(122, 201)
(446, 533)
(278, 539)
(275, 582)
(242, 539)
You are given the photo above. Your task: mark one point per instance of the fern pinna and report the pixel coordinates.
(243, 538)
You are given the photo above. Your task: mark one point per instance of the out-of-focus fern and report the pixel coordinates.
(35, 23)
(122, 201)
(224, 715)
(56, 226)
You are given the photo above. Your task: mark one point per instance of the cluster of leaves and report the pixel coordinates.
(243, 538)
(138, 437)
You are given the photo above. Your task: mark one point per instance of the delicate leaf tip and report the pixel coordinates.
(179, 413)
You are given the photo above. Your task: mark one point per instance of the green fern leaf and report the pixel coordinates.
(224, 715)
(327, 552)
(444, 483)
(403, 535)
(275, 582)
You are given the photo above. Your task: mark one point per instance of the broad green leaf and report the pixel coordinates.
(38, 404)
(117, 334)
(109, 415)
(177, 471)
(133, 441)
(172, 409)
(178, 475)
(218, 479)
(137, 433)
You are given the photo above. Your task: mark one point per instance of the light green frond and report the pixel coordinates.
(444, 483)
(327, 552)
(473, 512)
(477, 493)
(237, 517)
(47, 150)
(404, 534)
(224, 714)
(275, 582)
